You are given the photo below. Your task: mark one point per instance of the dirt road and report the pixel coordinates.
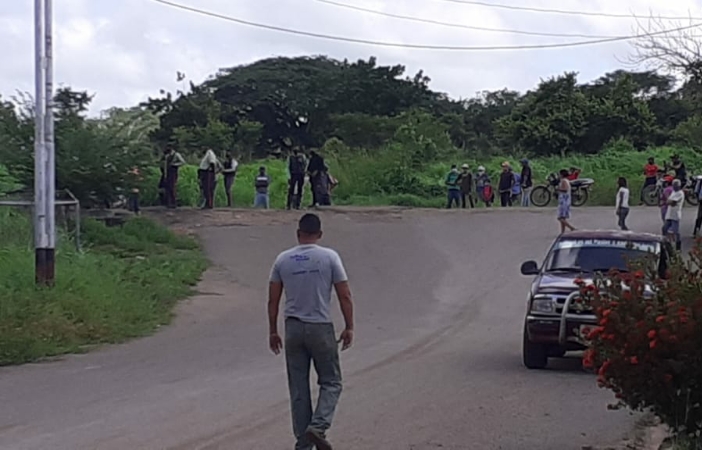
(437, 362)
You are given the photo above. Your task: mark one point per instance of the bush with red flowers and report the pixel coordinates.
(647, 348)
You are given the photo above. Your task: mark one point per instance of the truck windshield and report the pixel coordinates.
(597, 255)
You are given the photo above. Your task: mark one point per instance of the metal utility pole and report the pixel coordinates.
(44, 173)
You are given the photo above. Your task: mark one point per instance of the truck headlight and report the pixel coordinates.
(542, 305)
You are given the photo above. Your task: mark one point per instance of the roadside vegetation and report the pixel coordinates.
(123, 285)
(646, 349)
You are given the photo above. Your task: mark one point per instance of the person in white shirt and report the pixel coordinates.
(622, 203)
(207, 172)
(673, 215)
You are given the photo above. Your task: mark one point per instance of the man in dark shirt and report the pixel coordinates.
(465, 180)
(296, 167)
(527, 183)
(505, 185)
(680, 170)
(261, 184)
(316, 170)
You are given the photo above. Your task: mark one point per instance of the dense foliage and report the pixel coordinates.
(646, 347)
(385, 133)
(307, 100)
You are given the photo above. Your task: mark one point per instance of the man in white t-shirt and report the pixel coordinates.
(307, 273)
(673, 215)
(622, 203)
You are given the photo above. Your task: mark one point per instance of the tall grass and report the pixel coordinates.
(122, 286)
(368, 179)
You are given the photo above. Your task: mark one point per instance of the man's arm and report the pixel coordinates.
(178, 160)
(275, 293)
(343, 292)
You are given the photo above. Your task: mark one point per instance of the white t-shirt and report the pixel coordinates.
(675, 212)
(622, 198)
(308, 274)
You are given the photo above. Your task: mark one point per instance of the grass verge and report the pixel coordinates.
(123, 285)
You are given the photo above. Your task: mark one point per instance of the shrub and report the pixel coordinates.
(646, 348)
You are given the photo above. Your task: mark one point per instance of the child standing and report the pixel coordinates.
(622, 203)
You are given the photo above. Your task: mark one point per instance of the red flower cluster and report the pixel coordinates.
(646, 346)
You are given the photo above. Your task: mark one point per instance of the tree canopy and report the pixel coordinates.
(275, 104)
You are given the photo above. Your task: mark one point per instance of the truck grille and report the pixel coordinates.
(574, 308)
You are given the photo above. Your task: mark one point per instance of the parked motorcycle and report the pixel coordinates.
(652, 193)
(580, 191)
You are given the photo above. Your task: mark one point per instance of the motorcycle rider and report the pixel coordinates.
(650, 172)
(680, 170)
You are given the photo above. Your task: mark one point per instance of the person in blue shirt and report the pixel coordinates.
(516, 188)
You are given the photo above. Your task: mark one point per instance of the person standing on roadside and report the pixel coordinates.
(307, 273)
(673, 214)
(261, 184)
(650, 172)
(527, 183)
(172, 161)
(207, 173)
(229, 173)
(505, 185)
(622, 203)
(516, 188)
(483, 186)
(296, 172)
(465, 180)
(454, 189)
(564, 201)
(316, 169)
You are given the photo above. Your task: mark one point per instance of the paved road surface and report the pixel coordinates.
(437, 361)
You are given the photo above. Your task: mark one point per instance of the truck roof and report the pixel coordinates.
(612, 234)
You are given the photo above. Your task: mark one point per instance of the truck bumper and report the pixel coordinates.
(544, 330)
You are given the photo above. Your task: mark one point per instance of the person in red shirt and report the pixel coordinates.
(573, 174)
(650, 172)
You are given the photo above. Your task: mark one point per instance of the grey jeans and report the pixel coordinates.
(307, 343)
(622, 213)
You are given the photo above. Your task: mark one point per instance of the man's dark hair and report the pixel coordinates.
(622, 182)
(564, 172)
(262, 169)
(310, 224)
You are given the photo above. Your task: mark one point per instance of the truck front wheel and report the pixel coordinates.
(535, 355)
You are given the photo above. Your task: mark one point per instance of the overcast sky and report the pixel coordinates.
(126, 50)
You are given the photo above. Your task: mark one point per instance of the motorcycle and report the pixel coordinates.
(580, 191)
(652, 193)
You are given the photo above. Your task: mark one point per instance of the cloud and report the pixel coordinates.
(126, 51)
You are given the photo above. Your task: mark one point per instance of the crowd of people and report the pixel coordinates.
(465, 189)
(300, 169)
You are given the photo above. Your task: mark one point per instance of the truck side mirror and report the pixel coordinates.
(530, 268)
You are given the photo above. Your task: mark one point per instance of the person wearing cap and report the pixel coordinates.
(527, 183)
(465, 180)
(482, 180)
(261, 183)
(505, 185)
(454, 189)
(307, 273)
